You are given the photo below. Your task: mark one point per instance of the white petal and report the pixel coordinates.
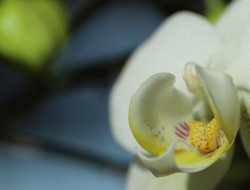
(182, 38)
(180, 160)
(240, 69)
(234, 20)
(240, 73)
(231, 26)
(156, 109)
(140, 178)
(223, 100)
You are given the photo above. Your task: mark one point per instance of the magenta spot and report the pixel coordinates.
(184, 126)
(182, 130)
(179, 135)
(156, 135)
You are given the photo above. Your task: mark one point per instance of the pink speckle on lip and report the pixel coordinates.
(182, 130)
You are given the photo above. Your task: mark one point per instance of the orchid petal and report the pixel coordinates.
(170, 47)
(181, 160)
(223, 99)
(231, 26)
(240, 73)
(240, 70)
(155, 109)
(139, 178)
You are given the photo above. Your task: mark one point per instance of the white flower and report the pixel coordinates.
(159, 112)
(171, 126)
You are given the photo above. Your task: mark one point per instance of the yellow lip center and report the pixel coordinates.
(205, 137)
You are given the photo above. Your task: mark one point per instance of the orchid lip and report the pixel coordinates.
(206, 138)
(182, 130)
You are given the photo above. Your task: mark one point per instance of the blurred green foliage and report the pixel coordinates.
(30, 30)
(214, 9)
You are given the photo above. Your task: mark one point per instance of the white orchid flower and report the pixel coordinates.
(172, 130)
(172, 127)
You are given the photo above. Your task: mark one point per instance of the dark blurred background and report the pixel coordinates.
(56, 72)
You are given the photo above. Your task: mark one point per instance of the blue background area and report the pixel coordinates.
(26, 168)
(76, 119)
(54, 126)
(114, 31)
(63, 141)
